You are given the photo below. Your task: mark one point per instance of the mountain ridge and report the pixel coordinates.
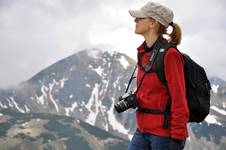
(86, 86)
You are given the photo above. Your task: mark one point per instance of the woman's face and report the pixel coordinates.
(144, 25)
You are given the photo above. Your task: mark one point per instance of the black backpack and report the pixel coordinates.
(197, 85)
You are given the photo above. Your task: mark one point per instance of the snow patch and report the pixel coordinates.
(90, 66)
(223, 112)
(124, 62)
(1, 114)
(113, 121)
(106, 127)
(10, 103)
(116, 82)
(88, 85)
(211, 119)
(41, 99)
(32, 98)
(91, 119)
(109, 65)
(3, 106)
(62, 82)
(224, 105)
(99, 70)
(83, 104)
(74, 105)
(70, 109)
(104, 87)
(27, 109)
(71, 96)
(16, 105)
(215, 88)
(51, 85)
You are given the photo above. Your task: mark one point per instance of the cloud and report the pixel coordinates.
(37, 33)
(204, 34)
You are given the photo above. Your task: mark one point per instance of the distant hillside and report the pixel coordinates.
(20, 131)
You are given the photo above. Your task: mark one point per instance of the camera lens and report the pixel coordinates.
(125, 103)
(121, 106)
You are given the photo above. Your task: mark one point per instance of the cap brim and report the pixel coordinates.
(137, 14)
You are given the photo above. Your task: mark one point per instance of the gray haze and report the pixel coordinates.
(36, 33)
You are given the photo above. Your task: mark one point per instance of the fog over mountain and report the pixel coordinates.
(36, 33)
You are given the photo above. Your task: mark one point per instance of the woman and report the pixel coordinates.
(152, 20)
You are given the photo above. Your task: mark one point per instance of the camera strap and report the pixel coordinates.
(148, 67)
(150, 62)
(132, 76)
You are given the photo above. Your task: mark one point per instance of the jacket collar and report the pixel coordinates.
(141, 48)
(144, 48)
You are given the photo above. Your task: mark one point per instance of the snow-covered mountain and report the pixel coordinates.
(86, 86)
(217, 81)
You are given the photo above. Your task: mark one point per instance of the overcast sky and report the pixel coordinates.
(36, 33)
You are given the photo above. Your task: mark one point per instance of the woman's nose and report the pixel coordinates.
(136, 20)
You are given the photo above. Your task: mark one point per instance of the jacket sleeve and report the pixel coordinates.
(174, 72)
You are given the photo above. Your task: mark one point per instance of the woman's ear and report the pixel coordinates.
(153, 24)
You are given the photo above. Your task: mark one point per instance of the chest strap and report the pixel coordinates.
(165, 113)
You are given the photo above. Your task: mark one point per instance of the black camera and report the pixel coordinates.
(128, 100)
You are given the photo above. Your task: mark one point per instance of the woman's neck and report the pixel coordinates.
(150, 39)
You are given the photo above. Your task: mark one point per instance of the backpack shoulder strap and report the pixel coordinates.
(159, 67)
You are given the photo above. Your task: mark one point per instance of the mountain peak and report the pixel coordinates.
(217, 81)
(96, 52)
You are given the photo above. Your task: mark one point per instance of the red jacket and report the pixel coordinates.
(154, 95)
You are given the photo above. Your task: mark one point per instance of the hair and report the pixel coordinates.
(174, 36)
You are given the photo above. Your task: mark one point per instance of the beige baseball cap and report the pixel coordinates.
(160, 13)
